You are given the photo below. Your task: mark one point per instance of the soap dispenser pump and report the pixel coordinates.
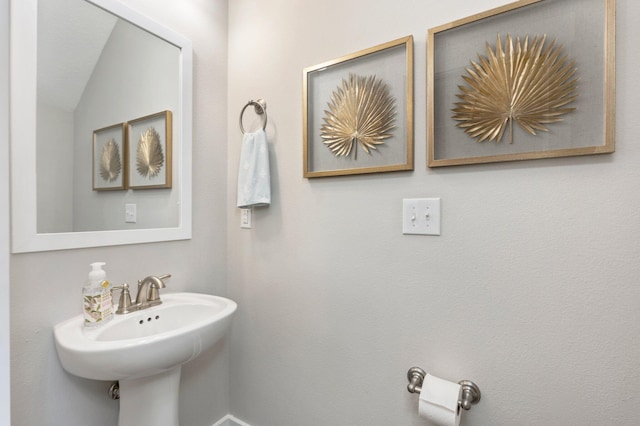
(96, 297)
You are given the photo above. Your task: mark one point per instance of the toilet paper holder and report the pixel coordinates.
(469, 393)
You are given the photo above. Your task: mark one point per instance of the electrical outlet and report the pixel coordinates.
(245, 218)
(421, 216)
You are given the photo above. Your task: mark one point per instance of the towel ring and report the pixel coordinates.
(260, 107)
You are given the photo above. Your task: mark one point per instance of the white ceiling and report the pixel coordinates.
(71, 36)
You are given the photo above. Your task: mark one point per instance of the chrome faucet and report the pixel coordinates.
(148, 291)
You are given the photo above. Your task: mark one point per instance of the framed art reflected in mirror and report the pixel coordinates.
(109, 158)
(149, 151)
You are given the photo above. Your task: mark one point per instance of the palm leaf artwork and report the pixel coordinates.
(529, 83)
(361, 112)
(110, 163)
(149, 156)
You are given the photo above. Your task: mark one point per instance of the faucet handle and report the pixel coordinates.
(154, 294)
(164, 277)
(124, 303)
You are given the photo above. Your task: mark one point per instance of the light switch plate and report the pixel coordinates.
(130, 214)
(421, 216)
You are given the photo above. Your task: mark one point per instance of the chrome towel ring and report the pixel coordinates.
(260, 107)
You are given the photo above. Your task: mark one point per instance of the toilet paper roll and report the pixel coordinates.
(439, 401)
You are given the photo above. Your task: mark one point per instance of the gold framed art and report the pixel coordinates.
(149, 148)
(358, 112)
(531, 79)
(109, 158)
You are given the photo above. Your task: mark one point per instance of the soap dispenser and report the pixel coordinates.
(96, 297)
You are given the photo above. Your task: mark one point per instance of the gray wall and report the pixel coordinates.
(45, 287)
(531, 291)
(54, 166)
(5, 406)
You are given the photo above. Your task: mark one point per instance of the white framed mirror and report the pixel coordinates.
(79, 67)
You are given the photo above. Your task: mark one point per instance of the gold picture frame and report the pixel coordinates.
(109, 158)
(576, 116)
(358, 112)
(149, 148)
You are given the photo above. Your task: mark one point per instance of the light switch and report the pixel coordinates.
(421, 216)
(130, 215)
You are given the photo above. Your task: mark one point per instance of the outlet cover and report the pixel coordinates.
(245, 218)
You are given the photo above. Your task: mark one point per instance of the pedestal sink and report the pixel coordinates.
(145, 350)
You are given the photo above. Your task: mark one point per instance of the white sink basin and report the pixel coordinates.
(145, 342)
(145, 350)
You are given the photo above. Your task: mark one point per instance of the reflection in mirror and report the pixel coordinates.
(95, 70)
(100, 66)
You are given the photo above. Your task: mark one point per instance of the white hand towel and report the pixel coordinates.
(254, 179)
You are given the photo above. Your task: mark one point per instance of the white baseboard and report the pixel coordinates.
(230, 420)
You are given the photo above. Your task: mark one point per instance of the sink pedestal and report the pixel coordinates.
(151, 400)
(144, 350)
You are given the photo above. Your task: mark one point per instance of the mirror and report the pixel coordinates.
(84, 72)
